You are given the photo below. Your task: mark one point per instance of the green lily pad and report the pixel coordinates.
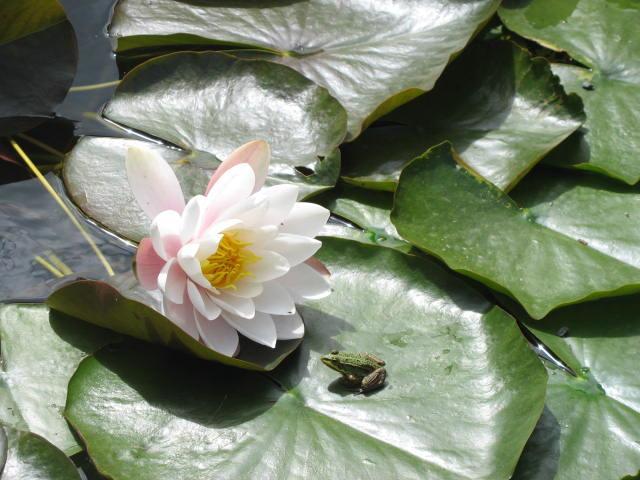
(602, 35)
(463, 392)
(96, 179)
(122, 305)
(501, 109)
(208, 104)
(371, 56)
(365, 209)
(38, 56)
(591, 422)
(31, 457)
(40, 352)
(450, 212)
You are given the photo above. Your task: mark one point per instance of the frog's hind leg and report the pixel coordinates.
(374, 380)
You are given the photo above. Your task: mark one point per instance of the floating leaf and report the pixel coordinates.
(591, 422)
(449, 211)
(501, 109)
(40, 352)
(30, 457)
(96, 179)
(38, 56)
(122, 305)
(208, 104)
(371, 56)
(456, 363)
(365, 209)
(603, 35)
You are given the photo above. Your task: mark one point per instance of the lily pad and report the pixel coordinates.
(367, 214)
(603, 36)
(31, 457)
(208, 104)
(38, 56)
(40, 352)
(477, 230)
(501, 109)
(591, 422)
(463, 393)
(371, 56)
(122, 305)
(96, 179)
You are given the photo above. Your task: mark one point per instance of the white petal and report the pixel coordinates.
(289, 327)
(295, 248)
(218, 335)
(281, 199)
(153, 182)
(274, 299)
(202, 301)
(260, 328)
(250, 211)
(221, 227)
(232, 188)
(305, 282)
(191, 217)
(172, 281)
(270, 266)
(256, 154)
(188, 260)
(242, 307)
(257, 236)
(165, 234)
(246, 289)
(305, 219)
(181, 315)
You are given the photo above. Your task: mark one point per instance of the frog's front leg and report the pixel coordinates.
(351, 380)
(374, 380)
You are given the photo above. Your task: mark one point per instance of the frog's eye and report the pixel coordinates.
(334, 352)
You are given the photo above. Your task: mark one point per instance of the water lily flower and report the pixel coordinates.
(236, 259)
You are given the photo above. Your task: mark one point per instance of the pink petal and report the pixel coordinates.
(306, 282)
(256, 154)
(289, 327)
(234, 187)
(218, 335)
(260, 328)
(181, 315)
(172, 281)
(148, 265)
(318, 266)
(305, 219)
(165, 234)
(153, 182)
(274, 299)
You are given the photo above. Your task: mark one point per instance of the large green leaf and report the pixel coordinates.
(603, 35)
(122, 305)
(364, 209)
(372, 56)
(38, 56)
(30, 457)
(591, 422)
(449, 211)
(501, 109)
(96, 179)
(464, 390)
(40, 352)
(208, 104)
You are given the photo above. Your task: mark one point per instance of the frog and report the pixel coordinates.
(362, 371)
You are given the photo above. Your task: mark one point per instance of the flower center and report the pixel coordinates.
(229, 263)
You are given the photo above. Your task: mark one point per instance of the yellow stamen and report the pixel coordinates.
(229, 263)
